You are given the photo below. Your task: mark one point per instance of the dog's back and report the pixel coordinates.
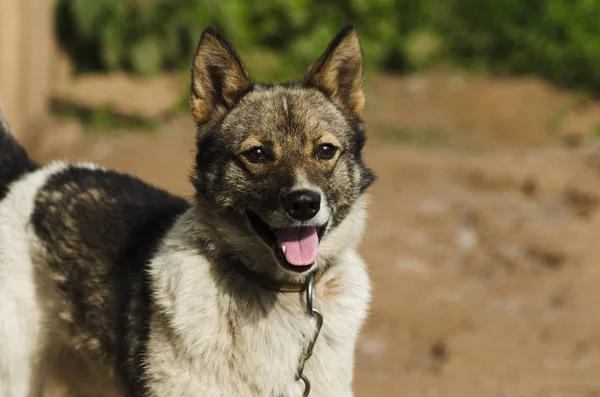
(74, 243)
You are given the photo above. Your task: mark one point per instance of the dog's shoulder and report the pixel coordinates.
(98, 229)
(93, 221)
(104, 211)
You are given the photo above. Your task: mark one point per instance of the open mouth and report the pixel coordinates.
(296, 248)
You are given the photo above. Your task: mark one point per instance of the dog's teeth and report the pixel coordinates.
(283, 249)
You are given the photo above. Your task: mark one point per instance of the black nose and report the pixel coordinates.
(302, 205)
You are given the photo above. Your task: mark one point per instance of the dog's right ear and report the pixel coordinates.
(219, 78)
(339, 72)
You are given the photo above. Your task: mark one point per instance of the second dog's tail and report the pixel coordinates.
(14, 162)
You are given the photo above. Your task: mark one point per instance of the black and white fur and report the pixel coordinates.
(116, 288)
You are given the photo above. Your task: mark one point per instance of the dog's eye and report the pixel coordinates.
(256, 155)
(325, 151)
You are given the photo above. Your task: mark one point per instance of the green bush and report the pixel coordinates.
(557, 39)
(276, 38)
(143, 36)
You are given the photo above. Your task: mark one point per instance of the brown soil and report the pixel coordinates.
(481, 232)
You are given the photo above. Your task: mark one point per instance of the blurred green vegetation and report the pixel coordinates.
(103, 118)
(556, 39)
(276, 38)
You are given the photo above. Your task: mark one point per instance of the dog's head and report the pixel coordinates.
(280, 165)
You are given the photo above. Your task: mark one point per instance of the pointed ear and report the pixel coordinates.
(339, 72)
(219, 78)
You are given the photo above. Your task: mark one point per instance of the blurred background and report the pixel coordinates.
(484, 124)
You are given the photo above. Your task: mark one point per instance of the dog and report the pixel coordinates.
(113, 287)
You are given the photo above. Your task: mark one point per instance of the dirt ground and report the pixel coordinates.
(482, 233)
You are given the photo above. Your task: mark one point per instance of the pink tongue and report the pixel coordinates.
(301, 245)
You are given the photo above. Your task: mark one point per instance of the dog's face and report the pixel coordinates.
(280, 164)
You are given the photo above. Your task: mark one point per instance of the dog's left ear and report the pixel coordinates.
(219, 78)
(339, 72)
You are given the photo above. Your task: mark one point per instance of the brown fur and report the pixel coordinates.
(215, 59)
(339, 73)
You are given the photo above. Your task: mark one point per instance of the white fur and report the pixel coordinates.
(20, 311)
(286, 108)
(192, 347)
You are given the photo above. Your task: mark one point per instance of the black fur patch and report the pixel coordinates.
(14, 162)
(99, 230)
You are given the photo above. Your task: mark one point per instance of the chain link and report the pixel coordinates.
(314, 313)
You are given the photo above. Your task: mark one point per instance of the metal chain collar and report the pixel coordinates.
(314, 313)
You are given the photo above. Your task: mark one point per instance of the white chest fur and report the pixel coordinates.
(244, 340)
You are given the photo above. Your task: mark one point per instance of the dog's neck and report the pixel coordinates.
(274, 285)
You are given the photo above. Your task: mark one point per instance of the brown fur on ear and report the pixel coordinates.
(218, 78)
(339, 72)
